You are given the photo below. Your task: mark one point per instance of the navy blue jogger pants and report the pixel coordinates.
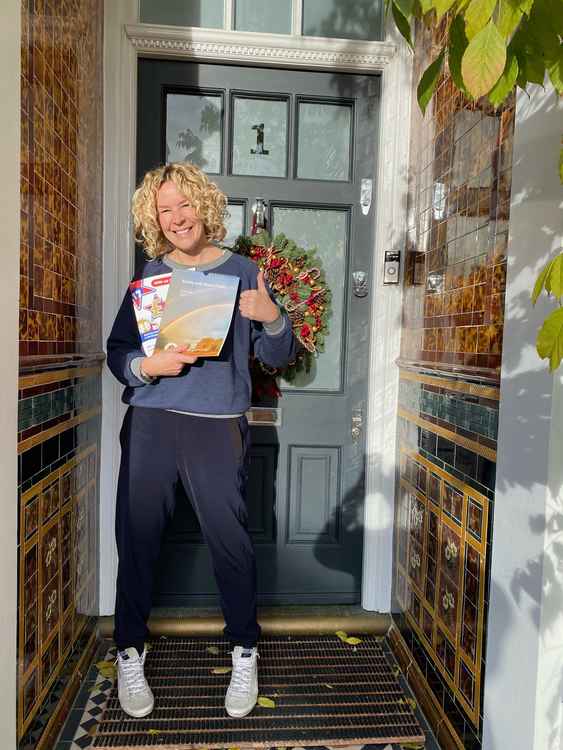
(160, 449)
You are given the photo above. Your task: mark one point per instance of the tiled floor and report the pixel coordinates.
(90, 700)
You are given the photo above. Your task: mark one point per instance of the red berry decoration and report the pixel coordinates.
(297, 279)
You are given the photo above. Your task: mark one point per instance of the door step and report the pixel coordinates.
(297, 620)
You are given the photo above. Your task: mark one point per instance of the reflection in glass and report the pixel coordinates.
(326, 230)
(234, 223)
(324, 141)
(205, 13)
(193, 130)
(259, 137)
(342, 19)
(265, 15)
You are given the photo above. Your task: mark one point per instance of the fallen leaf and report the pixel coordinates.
(330, 687)
(153, 731)
(266, 702)
(411, 746)
(107, 669)
(412, 703)
(148, 647)
(353, 641)
(221, 670)
(396, 672)
(341, 634)
(212, 649)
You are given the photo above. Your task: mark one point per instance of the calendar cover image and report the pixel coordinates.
(198, 312)
(149, 299)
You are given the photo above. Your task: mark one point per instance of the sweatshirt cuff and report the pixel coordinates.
(135, 366)
(275, 328)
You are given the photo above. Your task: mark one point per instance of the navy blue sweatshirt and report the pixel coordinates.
(214, 386)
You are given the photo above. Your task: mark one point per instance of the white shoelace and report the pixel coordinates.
(134, 675)
(242, 675)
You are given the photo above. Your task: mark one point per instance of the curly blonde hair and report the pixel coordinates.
(209, 203)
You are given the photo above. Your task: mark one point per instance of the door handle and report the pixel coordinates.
(357, 424)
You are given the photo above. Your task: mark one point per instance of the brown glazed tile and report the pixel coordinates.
(33, 325)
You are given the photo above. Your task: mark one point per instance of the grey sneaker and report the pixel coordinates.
(135, 695)
(243, 689)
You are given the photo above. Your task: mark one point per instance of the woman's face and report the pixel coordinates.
(179, 222)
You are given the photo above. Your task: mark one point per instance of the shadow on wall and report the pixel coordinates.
(534, 522)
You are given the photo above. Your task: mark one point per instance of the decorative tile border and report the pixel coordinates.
(454, 437)
(440, 572)
(451, 384)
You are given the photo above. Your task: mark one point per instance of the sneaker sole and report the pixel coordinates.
(138, 714)
(237, 715)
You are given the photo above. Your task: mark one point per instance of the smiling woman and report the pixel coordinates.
(186, 421)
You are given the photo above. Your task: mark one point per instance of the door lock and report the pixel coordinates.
(357, 424)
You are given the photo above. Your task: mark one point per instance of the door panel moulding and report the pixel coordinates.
(125, 42)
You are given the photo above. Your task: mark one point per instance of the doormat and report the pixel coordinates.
(320, 691)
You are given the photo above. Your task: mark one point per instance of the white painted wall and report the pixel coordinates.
(120, 96)
(525, 631)
(390, 191)
(10, 13)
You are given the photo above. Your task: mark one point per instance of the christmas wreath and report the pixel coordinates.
(297, 280)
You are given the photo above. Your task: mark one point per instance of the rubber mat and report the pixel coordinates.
(324, 692)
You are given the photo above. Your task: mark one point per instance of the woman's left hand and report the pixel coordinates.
(256, 304)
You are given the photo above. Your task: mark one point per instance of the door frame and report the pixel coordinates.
(124, 41)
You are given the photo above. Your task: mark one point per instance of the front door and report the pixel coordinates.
(305, 143)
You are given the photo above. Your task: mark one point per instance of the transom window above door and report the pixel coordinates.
(269, 135)
(341, 19)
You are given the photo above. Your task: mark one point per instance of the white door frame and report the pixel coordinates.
(124, 41)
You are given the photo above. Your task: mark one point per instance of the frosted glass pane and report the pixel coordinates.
(324, 141)
(260, 137)
(193, 130)
(351, 19)
(234, 223)
(326, 230)
(205, 13)
(265, 15)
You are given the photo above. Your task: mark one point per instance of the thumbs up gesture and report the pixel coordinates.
(256, 304)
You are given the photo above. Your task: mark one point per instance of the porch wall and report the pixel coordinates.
(452, 321)
(60, 354)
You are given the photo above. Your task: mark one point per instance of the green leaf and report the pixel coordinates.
(212, 649)
(483, 61)
(402, 24)
(526, 6)
(510, 15)
(405, 6)
(457, 45)
(505, 83)
(428, 82)
(550, 339)
(555, 71)
(221, 670)
(442, 7)
(353, 641)
(554, 279)
(540, 281)
(107, 669)
(477, 16)
(266, 702)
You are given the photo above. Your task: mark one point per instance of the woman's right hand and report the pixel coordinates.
(166, 363)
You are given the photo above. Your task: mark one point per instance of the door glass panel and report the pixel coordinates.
(324, 141)
(206, 13)
(259, 137)
(344, 20)
(266, 15)
(235, 222)
(193, 130)
(326, 230)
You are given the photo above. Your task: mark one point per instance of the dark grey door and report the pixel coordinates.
(303, 142)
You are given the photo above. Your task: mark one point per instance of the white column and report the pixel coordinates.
(390, 205)
(120, 111)
(525, 644)
(10, 33)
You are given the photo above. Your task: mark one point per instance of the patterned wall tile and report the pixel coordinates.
(451, 353)
(60, 315)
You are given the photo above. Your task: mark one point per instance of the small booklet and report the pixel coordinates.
(198, 312)
(149, 298)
